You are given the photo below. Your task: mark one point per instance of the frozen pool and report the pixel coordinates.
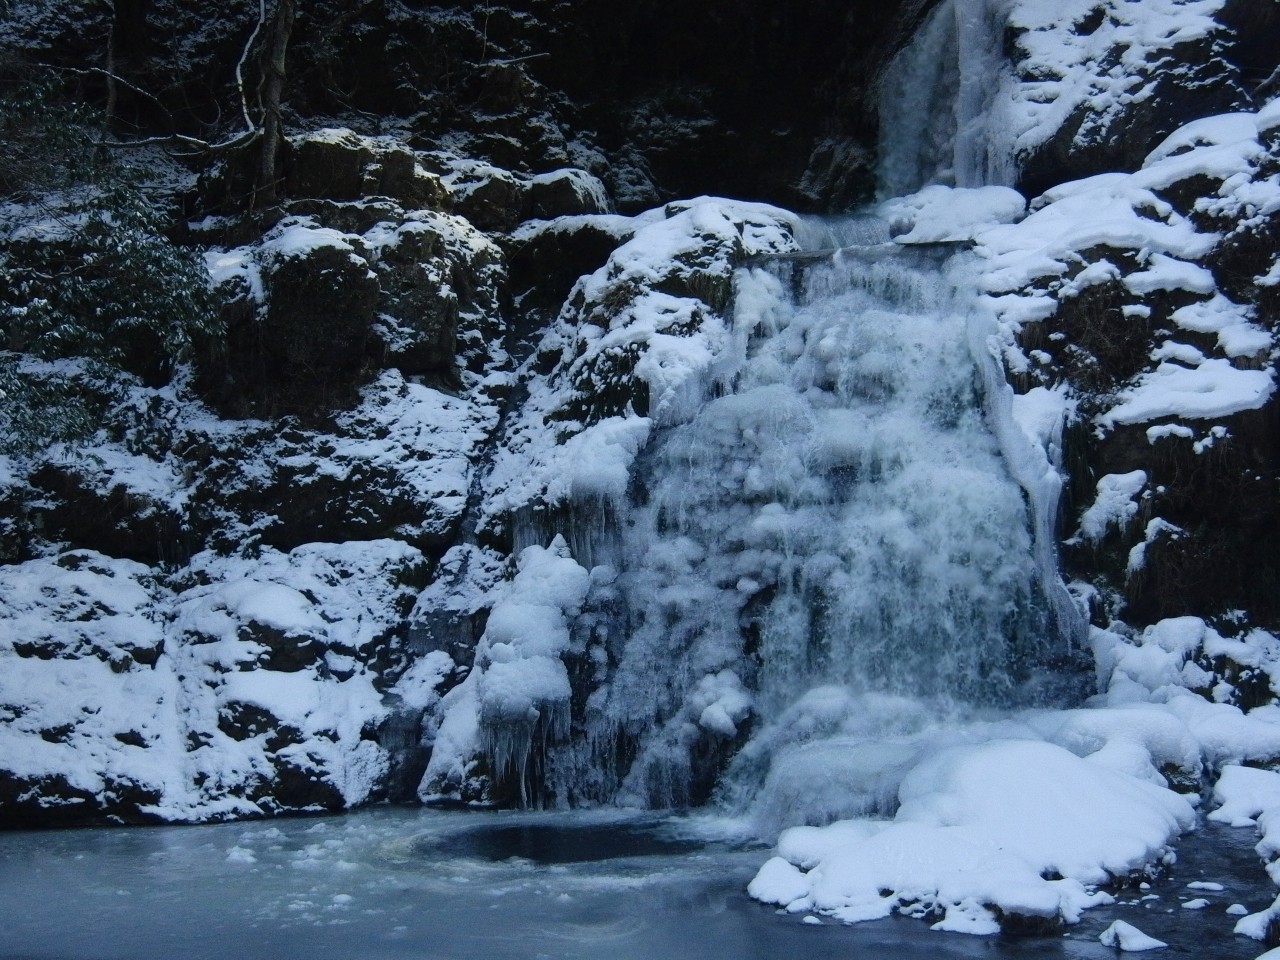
(407, 882)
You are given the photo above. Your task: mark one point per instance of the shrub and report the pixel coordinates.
(93, 296)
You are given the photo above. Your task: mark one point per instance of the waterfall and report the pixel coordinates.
(836, 514)
(938, 104)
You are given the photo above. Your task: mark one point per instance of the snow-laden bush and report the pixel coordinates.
(91, 290)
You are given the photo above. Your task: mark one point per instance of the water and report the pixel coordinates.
(410, 883)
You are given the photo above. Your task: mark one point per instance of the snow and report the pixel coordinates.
(619, 227)
(940, 214)
(297, 238)
(1166, 273)
(1098, 211)
(1255, 925)
(596, 463)
(1114, 504)
(425, 438)
(1237, 335)
(140, 670)
(1268, 117)
(1128, 938)
(1211, 390)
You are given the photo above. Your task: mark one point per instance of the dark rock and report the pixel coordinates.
(545, 260)
(1250, 45)
(52, 801)
(329, 165)
(296, 788)
(355, 217)
(564, 193)
(244, 721)
(1186, 81)
(91, 511)
(489, 197)
(337, 164)
(304, 349)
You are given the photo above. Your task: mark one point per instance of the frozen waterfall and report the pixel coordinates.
(940, 120)
(836, 515)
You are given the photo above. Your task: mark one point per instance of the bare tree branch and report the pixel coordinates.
(512, 60)
(1271, 83)
(114, 80)
(197, 145)
(244, 57)
(246, 136)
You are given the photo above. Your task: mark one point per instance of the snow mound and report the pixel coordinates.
(1128, 938)
(979, 829)
(940, 214)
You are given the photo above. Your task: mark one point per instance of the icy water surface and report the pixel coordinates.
(439, 885)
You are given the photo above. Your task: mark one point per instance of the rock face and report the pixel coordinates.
(298, 574)
(238, 689)
(1154, 318)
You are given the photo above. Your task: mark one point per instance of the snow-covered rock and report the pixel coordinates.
(1127, 938)
(251, 685)
(978, 830)
(634, 345)
(1143, 297)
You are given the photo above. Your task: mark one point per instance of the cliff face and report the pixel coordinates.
(255, 584)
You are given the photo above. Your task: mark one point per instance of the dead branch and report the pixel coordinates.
(246, 136)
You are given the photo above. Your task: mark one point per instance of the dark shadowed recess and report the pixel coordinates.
(746, 98)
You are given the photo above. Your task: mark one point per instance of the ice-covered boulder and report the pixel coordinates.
(493, 729)
(636, 343)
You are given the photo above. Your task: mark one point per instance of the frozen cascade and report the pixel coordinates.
(836, 516)
(939, 121)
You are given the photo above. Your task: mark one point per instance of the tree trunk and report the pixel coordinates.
(266, 194)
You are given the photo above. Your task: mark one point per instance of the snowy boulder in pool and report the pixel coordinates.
(979, 830)
(1128, 938)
